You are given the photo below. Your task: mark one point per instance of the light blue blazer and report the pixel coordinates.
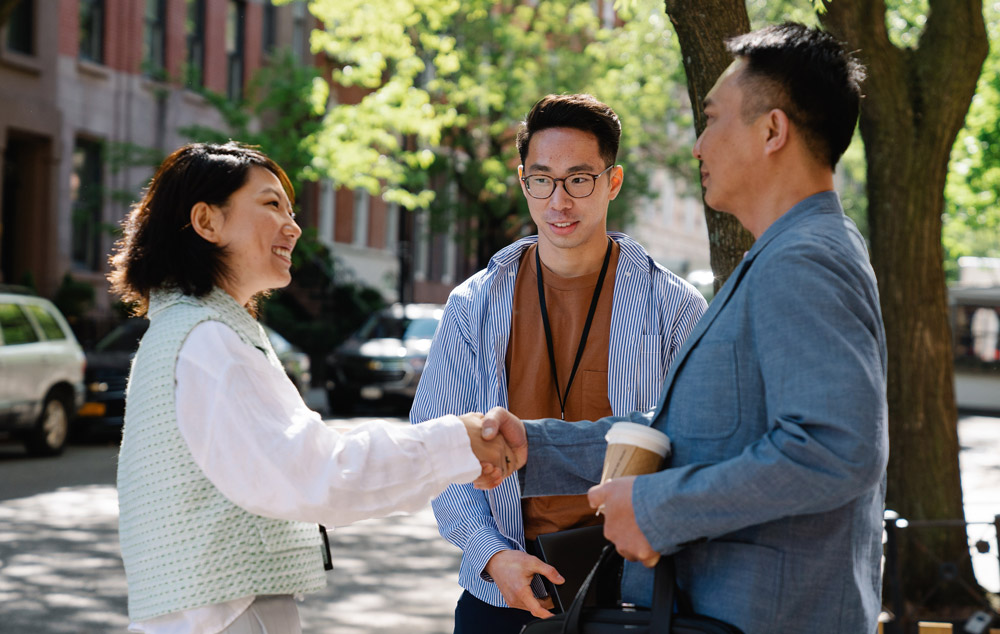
(776, 407)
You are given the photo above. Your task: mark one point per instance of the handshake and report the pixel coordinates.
(499, 442)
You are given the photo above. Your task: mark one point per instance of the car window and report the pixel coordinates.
(15, 325)
(124, 338)
(50, 327)
(421, 328)
(384, 327)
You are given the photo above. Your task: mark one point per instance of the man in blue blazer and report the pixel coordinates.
(772, 503)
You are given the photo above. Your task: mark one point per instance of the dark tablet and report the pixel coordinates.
(573, 553)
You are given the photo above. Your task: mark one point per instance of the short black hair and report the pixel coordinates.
(580, 112)
(810, 76)
(159, 247)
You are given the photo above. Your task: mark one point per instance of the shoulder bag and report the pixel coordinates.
(660, 619)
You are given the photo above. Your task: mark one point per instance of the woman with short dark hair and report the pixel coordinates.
(224, 472)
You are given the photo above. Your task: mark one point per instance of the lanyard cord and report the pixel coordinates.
(586, 327)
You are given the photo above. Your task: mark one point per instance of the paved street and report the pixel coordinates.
(60, 570)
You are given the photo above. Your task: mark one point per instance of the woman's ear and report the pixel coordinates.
(206, 220)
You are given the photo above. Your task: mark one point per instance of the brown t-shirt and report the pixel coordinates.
(531, 392)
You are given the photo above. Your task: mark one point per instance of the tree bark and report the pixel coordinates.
(915, 105)
(702, 27)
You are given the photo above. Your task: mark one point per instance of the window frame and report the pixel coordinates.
(154, 39)
(26, 11)
(194, 42)
(235, 48)
(87, 205)
(91, 26)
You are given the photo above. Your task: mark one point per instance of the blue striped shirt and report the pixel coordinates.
(652, 312)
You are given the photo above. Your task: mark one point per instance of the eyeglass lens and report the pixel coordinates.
(577, 185)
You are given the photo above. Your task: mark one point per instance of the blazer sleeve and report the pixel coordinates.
(566, 458)
(817, 338)
(448, 384)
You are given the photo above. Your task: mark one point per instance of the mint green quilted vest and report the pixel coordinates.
(183, 543)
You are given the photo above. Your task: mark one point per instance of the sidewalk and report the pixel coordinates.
(61, 571)
(979, 461)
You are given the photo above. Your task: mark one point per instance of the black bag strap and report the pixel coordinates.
(664, 591)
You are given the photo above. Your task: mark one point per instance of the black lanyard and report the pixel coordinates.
(586, 327)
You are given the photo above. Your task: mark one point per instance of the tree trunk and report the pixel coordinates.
(915, 104)
(702, 26)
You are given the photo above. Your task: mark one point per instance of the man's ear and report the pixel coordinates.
(206, 220)
(617, 177)
(776, 130)
(520, 175)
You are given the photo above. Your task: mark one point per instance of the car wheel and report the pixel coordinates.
(48, 437)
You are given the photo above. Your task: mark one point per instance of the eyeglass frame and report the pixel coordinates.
(555, 183)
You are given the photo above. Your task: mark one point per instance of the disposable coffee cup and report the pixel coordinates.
(633, 449)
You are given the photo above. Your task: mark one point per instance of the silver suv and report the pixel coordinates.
(41, 373)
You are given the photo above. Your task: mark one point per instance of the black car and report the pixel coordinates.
(109, 362)
(384, 358)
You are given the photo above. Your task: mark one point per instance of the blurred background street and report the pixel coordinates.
(61, 572)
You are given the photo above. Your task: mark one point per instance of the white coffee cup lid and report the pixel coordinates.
(639, 435)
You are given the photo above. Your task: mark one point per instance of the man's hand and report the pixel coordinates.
(620, 527)
(511, 428)
(512, 571)
(495, 458)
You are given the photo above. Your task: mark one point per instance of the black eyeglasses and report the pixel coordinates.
(576, 185)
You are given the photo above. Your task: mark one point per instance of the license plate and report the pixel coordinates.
(371, 393)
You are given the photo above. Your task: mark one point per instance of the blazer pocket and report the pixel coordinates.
(705, 399)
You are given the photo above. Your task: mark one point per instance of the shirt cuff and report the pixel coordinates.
(452, 459)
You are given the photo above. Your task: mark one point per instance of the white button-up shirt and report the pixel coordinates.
(254, 438)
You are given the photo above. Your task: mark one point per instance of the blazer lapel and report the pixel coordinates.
(706, 320)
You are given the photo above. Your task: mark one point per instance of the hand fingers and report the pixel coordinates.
(547, 571)
(597, 495)
(650, 562)
(531, 604)
(500, 420)
(491, 424)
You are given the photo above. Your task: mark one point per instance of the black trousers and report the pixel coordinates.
(473, 616)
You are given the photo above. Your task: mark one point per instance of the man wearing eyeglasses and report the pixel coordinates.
(574, 323)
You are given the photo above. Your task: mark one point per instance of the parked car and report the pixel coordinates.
(41, 372)
(384, 358)
(109, 362)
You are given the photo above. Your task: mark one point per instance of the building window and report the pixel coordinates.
(300, 31)
(392, 227)
(92, 30)
(154, 63)
(194, 28)
(269, 34)
(421, 247)
(21, 28)
(362, 200)
(235, 21)
(86, 194)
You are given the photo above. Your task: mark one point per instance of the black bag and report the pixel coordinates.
(624, 620)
